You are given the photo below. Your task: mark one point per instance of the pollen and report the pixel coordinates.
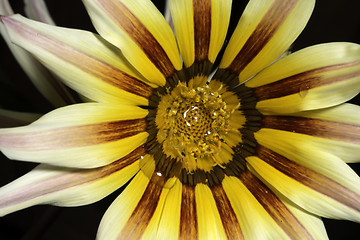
(193, 122)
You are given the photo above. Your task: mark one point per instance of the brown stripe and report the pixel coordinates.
(227, 214)
(262, 34)
(144, 211)
(139, 34)
(310, 178)
(74, 136)
(314, 127)
(72, 179)
(202, 27)
(275, 207)
(188, 219)
(302, 82)
(87, 63)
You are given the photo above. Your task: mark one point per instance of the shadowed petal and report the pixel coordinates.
(315, 77)
(37, 10)
(142, 34)
(47, 184)
(84, 135)
(52, 89)
(15, 119)
(91, 66)
(265, 30)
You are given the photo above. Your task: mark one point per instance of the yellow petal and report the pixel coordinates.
(142, 34)
(137, 212)
(311, 190)
(340, 139)
(66, 186)
(121, 210)
(227, 214)
(335, 114)
(263, 215)
(315, 77)
(169, 225)
(209, 221)
(91, 66)
(200, 27)
(83, 135)
(265, 30)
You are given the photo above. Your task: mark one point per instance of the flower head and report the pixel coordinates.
(253, 148)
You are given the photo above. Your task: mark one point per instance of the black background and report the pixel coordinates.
(332, 20)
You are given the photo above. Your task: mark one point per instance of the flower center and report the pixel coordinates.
(193, 121)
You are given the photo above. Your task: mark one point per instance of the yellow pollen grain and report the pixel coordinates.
(192, 124)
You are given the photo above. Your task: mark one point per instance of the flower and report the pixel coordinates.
(257, 151)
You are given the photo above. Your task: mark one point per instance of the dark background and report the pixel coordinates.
(332, 20)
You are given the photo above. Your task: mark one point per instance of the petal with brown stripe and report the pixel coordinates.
(309, 185)
(322, 129)
(84, 135)
(265, 30)
(142, 34)
(84, 60)
(347, 129)
(228, 217)
(188, 213)
(115, 223)
(208, 217)
(48, 184)
(200, 27)
(139, 210)
(273, 216)
(315, 77)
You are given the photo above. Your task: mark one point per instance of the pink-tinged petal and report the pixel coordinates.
(85, 61)
(52, 89)
(37, 10)
(84, 135)
(48, 184)
(142, 34)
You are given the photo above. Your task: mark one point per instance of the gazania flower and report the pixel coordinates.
(257, 150)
